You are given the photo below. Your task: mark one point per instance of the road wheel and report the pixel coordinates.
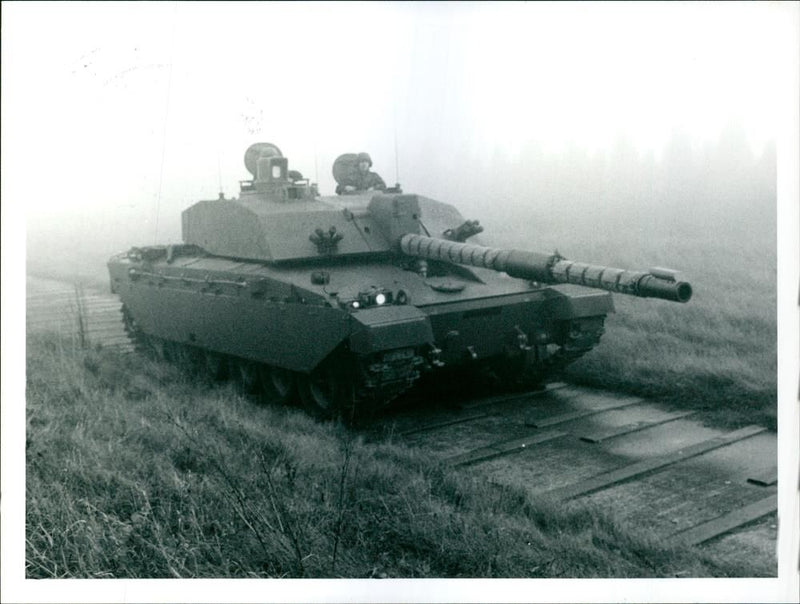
(188, 359)
(215, 365)
(141, 341)
(327, 391)
(157, 348)
(246, 374)
(277, 385)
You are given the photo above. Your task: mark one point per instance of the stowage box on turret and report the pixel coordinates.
(347, 300)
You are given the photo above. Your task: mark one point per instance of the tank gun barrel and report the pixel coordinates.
(550, 268)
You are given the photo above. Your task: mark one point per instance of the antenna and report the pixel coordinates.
(316, 167)
(396, 154)
(166, 120)
(219, 175)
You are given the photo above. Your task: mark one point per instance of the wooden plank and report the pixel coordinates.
(50, 305)
(600, 436)
(55, 295)
(106, 334)
(508, 398)
(109, 341)
(52, 326)
(49, 308)
(765, 479)
(724, 524)
(51, 319)
(116, 332)
(602, 481)
(444, 424)
(568, 417)
(104, 297)
(105, 324)
(503, 448)
(105, 308)
(483, 402)
(40, 308)
(122, 349)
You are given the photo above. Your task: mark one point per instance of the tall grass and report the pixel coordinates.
(136, 469)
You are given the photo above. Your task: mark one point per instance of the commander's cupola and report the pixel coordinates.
(272, 180)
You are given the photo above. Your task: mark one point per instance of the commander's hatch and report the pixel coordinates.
(272, 179)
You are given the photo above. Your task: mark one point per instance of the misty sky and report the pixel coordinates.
(144, 108)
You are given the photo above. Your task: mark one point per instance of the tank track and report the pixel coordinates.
(382, 382)
(577, 344)
(135, 335)
(563, 357)
(378, 384)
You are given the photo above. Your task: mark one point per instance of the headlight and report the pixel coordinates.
(374, 296)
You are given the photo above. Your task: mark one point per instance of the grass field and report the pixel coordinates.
(141, 470)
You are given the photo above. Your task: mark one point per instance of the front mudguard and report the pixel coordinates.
(393, 327)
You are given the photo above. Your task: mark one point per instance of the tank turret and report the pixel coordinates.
(345, 301)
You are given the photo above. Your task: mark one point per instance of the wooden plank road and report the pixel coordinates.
(92, 317)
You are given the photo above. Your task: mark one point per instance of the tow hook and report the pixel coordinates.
(433, 356)
(522, 339)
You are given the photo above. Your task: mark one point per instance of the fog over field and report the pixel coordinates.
(128, 114)
(628, 134)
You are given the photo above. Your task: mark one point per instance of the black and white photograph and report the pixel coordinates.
(400, 301)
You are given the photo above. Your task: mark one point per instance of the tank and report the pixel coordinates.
(342, 302)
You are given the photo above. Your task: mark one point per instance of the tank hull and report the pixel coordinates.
(277, 316)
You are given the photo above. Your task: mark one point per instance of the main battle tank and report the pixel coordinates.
(348, 300)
